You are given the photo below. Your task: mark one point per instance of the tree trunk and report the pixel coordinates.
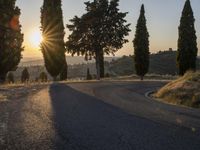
(98, 64)
(102, 74)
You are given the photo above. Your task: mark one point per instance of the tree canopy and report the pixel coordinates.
(187, 42)
(141, 45)
(11, 38)
(52, 27)
(101, 30)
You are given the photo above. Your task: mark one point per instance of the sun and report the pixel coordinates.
(35, 38)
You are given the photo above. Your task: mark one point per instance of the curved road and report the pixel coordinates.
(99, 116)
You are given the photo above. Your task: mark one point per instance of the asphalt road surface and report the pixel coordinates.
(96, 116)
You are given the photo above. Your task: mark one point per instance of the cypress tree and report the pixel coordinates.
(101, 30)
(141, 45)
(11, 38)
(53, 47)
(25, 75)
(187, 44)
(63, 74)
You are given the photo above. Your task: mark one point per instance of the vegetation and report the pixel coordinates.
(141, 45)
(183, 91)
(122, 66)
(187, 44)
(101, 30)
(10, 78)
(163, 63)
(43, 77)
(25, 75)
(107, 75)
(89, 76)
(11, 37)
(53, 48)
(63, 74)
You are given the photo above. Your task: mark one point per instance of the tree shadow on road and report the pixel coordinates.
(84, 122)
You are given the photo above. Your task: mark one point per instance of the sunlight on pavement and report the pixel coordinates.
(3, 98)
(179, 121)
(37, 118)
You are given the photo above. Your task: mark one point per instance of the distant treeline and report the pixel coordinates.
(163, 62)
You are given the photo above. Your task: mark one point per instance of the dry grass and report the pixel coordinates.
(147, 77)
(183, 91)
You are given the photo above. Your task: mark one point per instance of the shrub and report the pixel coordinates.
(25, 75)
(10, 78)
(43, 77)
(89, 76)
(107, 75)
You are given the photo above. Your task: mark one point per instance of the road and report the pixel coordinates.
(97, 116)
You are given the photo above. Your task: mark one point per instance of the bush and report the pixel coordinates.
(89, 76)
(10, 78)
(183, 91)
(107, 75)
(94, 76)
(43, 77)
(25, 75)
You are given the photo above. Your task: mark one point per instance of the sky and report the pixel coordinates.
(163, 18)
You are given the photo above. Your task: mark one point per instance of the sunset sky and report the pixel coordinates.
(163, 18)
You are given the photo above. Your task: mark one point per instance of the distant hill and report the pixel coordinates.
(70, 60)
(163, 62)
(160, 63)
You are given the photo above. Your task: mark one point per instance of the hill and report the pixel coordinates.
(70, 60)
(160, 63)
(163, 62)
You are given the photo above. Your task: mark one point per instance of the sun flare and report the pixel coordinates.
(36, 38)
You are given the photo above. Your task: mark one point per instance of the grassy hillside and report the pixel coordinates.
(122, 66)
(28, 61)
(183, 91)
(160, 63)
(163, 63)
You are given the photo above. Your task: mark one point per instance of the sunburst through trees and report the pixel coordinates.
(53, 33)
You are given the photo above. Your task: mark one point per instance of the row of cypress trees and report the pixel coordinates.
(187, 43)
(25, 77)
(102, 30)
(99, 31)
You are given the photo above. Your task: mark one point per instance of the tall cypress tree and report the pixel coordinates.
(11, 38)
(187, 44)
(141, 45)
(52, 47)
(64, 72)
(101, 30)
